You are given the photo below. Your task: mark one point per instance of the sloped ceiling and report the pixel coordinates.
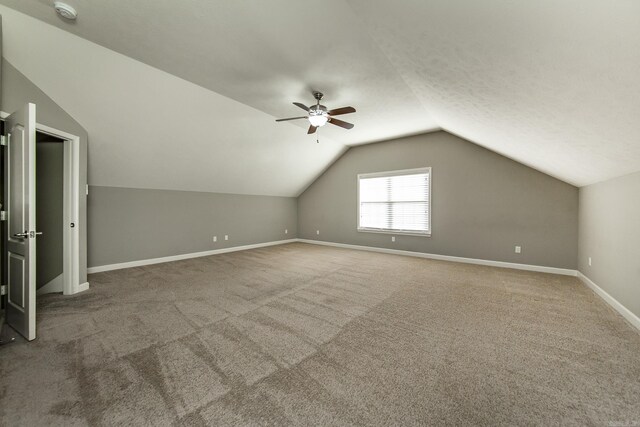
(551, 84)
(150, 129)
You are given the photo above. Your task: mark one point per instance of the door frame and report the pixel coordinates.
(71, 208)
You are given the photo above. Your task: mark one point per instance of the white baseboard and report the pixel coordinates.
(77, 288)
(624, 311)
(501, 264)
(82, 287)
(101, 268)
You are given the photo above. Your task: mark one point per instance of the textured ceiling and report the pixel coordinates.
(551, 84)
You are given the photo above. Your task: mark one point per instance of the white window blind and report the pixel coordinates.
(397, 201)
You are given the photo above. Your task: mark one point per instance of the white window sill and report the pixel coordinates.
(394, 232)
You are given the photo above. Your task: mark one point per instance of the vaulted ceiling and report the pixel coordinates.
(195, 85)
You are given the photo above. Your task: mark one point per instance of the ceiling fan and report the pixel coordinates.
(319, 116)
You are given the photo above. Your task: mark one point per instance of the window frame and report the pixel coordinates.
(400, 172)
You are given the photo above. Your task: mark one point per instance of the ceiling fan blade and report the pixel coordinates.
(312, 129)
(304, 107)
(343, 110)
(291, 118)
(340, 123)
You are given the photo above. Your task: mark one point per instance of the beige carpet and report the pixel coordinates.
(308, 335)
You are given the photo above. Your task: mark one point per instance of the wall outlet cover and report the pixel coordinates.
(518, 249)
(318, 232)
(215, 238)
(226, 237)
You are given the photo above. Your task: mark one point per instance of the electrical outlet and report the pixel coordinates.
(286, 231)
(589, 261)
(518, 249)
(215, 238)
(226, 237)
(318, 232)
(393, 238)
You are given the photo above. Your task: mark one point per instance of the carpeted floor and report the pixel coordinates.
(308, 335)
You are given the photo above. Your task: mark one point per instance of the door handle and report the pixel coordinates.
(31, 234)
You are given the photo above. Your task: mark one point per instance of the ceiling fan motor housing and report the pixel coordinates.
(317, 109)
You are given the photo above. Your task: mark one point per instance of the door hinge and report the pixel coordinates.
(3, 215)
(3, 289)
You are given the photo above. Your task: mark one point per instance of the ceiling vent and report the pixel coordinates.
(64, 10)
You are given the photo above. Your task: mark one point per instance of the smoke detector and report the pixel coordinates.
(64, 10)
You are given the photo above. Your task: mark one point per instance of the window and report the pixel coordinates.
(395, 202)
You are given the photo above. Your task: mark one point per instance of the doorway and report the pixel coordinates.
(70, 252)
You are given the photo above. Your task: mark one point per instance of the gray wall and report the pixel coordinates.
(610, 235)
(18, 90)
(49, 210)
(483, 203)
(128, 224)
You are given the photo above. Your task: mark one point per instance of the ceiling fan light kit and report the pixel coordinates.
(318, 115)
(318, 119)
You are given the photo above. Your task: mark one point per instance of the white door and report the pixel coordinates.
(20, 196)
